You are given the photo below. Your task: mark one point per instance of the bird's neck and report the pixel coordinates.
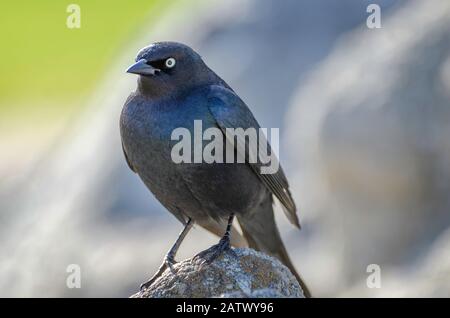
(147, 88)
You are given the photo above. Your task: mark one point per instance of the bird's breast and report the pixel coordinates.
(148, 136)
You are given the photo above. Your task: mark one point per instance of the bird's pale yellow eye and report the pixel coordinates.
(170, 62)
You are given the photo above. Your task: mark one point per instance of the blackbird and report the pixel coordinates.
(174, 89)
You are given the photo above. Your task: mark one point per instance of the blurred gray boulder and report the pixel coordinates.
(247, 274)
(369, 131)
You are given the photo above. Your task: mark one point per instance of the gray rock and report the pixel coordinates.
(247, 274)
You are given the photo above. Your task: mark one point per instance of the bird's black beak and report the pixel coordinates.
(142, 68)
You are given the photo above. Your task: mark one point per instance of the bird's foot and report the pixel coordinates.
(168, 263)
(208, 256)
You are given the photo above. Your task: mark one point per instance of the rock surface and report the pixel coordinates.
(246, 274)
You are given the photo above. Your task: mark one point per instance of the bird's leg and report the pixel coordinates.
(214, 251)
(169, 259)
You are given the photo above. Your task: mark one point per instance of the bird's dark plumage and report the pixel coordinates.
(172, 94)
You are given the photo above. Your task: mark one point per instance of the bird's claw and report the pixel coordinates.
(148, 283)
(168, 262)
(209, 255)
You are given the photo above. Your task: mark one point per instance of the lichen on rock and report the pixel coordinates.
(247, 273)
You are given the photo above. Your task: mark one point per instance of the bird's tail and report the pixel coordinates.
(262, 234)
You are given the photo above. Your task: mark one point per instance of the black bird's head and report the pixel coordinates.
(168, 67)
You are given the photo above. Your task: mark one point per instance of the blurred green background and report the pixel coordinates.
(48, 68)
(43, 59)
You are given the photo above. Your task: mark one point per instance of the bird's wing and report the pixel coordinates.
(230, 111)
